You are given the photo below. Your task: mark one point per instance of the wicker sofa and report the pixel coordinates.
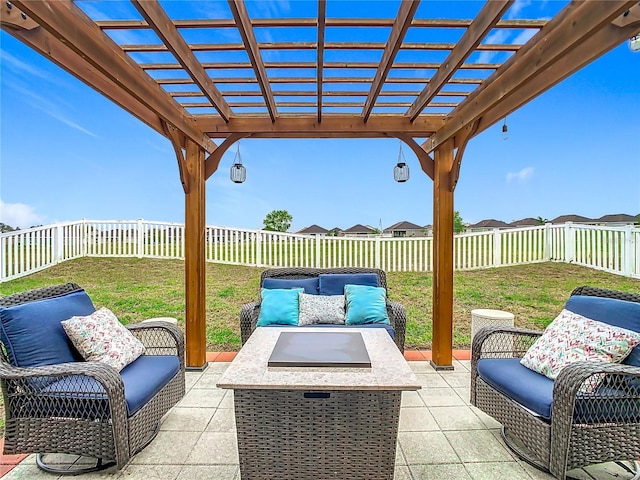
(558, 425)
(78, 407)
(249, 312)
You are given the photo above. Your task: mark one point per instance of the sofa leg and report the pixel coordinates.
(60, 470)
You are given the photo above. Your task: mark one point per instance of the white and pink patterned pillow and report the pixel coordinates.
(572, 338)
(100, 337)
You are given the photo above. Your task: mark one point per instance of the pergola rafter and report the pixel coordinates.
(412, 84)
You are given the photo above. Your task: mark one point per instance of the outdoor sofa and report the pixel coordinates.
(589, 414)
(326, 281)
(55, 402)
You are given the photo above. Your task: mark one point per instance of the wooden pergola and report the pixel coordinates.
(424, 78)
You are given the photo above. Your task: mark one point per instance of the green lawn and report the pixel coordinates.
(136, 289)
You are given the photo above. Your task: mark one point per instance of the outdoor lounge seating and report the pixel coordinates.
(55, 402)
(589, 414)
(326, 281)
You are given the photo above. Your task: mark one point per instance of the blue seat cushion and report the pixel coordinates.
(619, 313)
(310, 285)
(512, 379)
(142, 379)
(535, 392)
(388, 328)
(32, 332)
(333, 283)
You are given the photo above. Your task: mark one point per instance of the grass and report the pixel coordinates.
(136, 289)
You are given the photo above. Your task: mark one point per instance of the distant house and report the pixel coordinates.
(335, 232)
(313, 230)
(526, 222)
(406, 229)
(617, 220)
(428, 229)
(572, 218)
(488, 224)
(359, 230)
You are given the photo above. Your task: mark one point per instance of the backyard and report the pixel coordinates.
(136, 289)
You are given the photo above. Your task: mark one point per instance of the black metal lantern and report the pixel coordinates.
(401, 170)
(238, 173)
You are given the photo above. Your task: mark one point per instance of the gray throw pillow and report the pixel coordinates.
(316, 309)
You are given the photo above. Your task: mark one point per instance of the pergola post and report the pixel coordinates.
(442, 342)
(195, 269)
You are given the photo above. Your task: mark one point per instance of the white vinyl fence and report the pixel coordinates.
(613, 249)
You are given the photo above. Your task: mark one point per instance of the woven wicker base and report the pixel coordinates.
(293, 435)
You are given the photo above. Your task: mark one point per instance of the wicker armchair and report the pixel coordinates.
(396, 312)
(584, 428)
(87, 414)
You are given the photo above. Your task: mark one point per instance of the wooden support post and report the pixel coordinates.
(195, 273)
(442, 342)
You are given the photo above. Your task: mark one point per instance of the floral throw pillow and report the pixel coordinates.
(100, 337)
(316, 309)
(572, 338)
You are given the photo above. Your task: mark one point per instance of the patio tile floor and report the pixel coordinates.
(441, 437)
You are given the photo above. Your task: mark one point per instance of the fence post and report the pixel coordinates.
(316, 239)
(140, 239)
(378, 254)
(258, 248)
(4, 260)
(569, 243)
(628, 261)
(58, 248)
(497, 247)
(547, 242)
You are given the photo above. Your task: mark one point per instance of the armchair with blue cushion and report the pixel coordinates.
(329, 282)
(589, 414)
(55, 402)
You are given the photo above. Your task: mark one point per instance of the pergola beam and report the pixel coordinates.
(400, 26)
(69, 25)
(157, 18)
(35, 37)
(550, 46)
(479, 28)
(322, 17)
(243, 23)
(307, 126)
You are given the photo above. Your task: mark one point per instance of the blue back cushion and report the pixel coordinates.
(310, 285)
(333, 283)
(618, 313)
(32, 332)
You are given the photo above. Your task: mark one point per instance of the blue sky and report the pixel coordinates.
(68, 153)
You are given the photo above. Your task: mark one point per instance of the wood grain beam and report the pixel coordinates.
(31, 34)
(400, 26)
(194, 259)
(307, 126)
(177, 142)
(460, 144)
(157, 18)
(425, 160)
(442, 343)
(69, 25)
(241, 16)
(550, 46)
(592, 48)
(212, 162)
(479, 28)
(322, 16)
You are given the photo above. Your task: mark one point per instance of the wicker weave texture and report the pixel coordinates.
(284, 435)
(95, 422)
(585, 428)
(250, 311)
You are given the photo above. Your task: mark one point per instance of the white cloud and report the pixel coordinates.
(21, 67)
(497, 37)
(517, 7)
(522, 176)
(524, 36)
(19, 215)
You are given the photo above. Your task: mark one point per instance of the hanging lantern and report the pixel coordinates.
(401, 170)
(238, 173)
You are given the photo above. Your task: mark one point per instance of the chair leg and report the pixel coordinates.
(520, 451)
(42, 465)
(635, 469)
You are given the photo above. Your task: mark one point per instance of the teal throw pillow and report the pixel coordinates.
(279, 306)
(366, 304)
